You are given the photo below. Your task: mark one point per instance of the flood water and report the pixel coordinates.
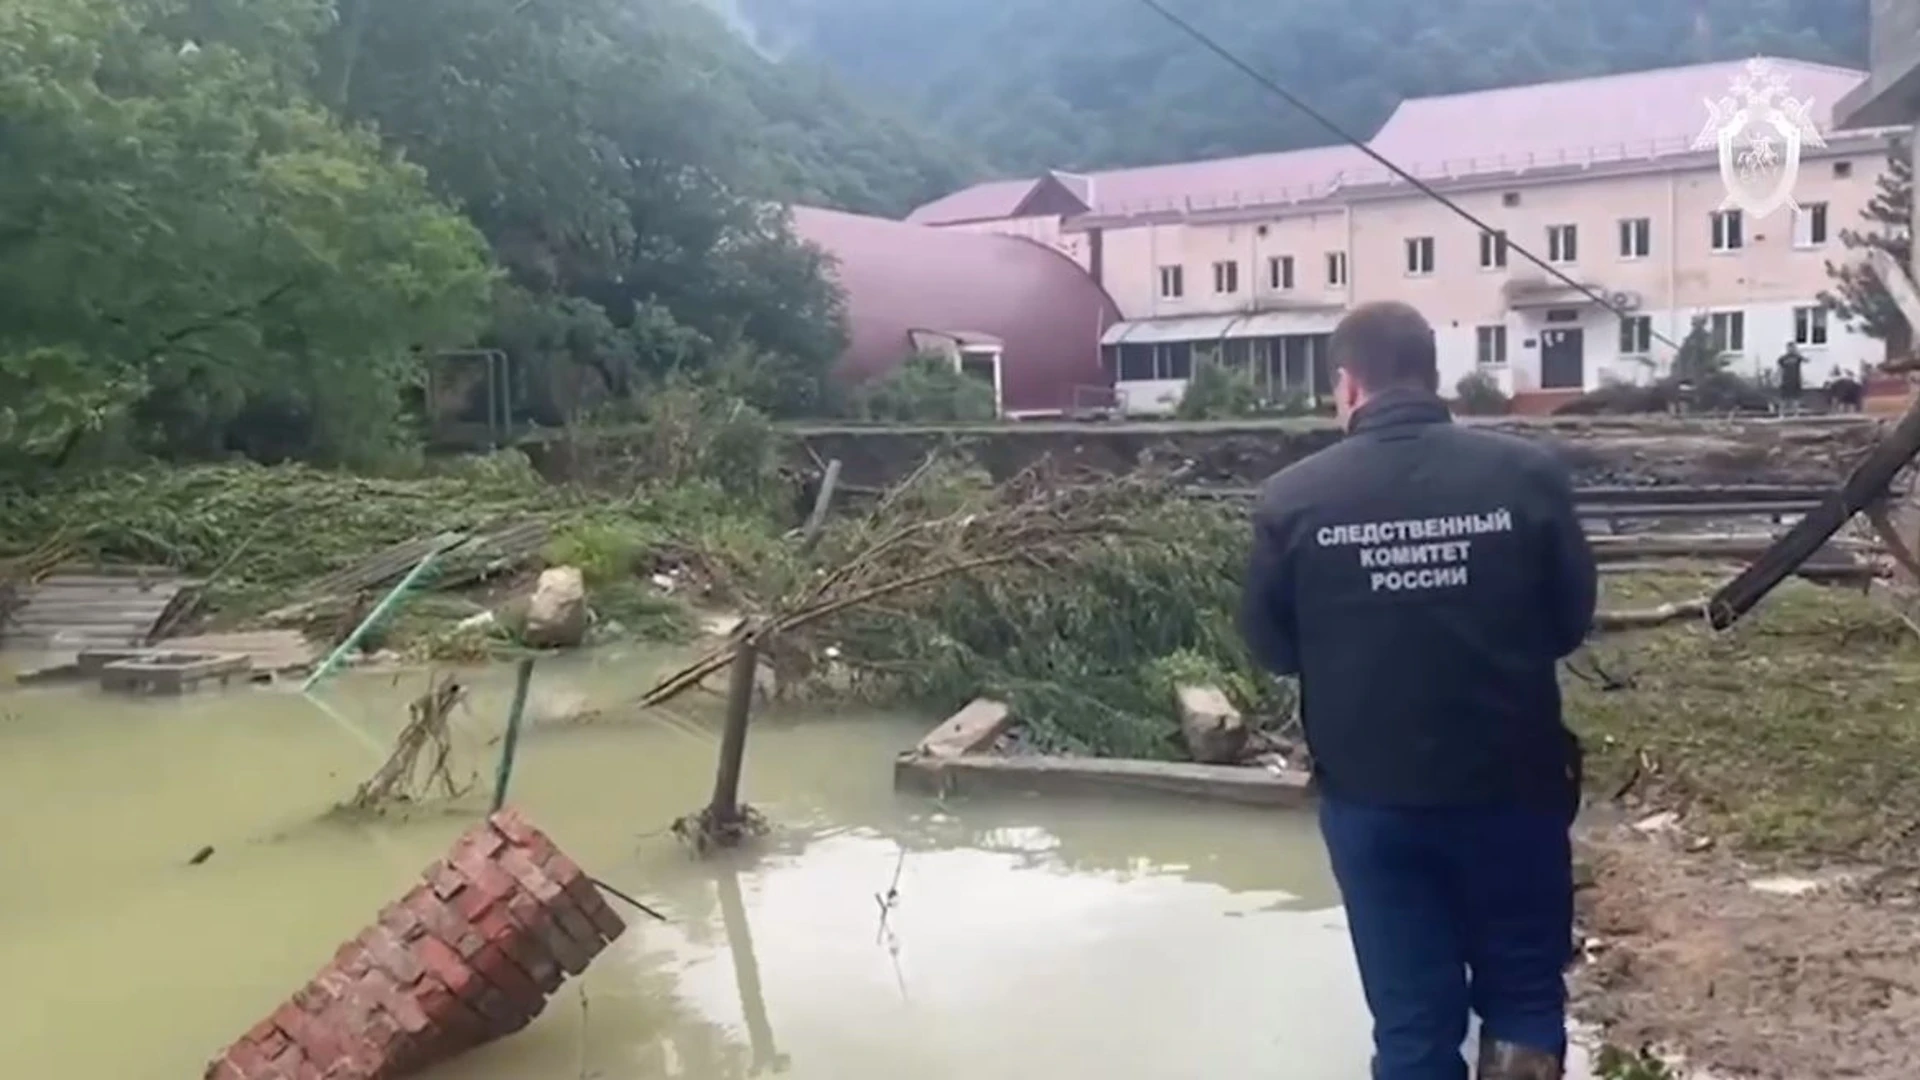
(1030, 938)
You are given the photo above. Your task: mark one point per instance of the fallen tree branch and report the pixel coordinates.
(1648, 618)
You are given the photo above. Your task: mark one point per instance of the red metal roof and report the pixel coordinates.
(1605, 118)
(900, 277)
(1279, 177)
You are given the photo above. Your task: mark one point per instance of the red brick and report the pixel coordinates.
(402, 923)
(521, 947)
(510, 823)
(446, 965)
(586, 896)
(390, 956)
(569, 954)
(577, 925)
(446, 883)
(469, 956)
(500, 1011)
(515, 862)
(447, 1013)
(446, 925)
(562, 870)
(495, 966)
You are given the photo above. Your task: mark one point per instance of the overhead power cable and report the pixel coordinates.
(1201, 38)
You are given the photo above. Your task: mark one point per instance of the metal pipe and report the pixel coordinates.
(521, 680)
(379, 612)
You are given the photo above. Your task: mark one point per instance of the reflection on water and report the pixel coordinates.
(1028, 939)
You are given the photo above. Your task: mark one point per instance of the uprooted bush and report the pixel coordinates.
(1077, 604)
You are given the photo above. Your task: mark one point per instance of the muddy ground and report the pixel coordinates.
(1787, 747)
(1689, 955)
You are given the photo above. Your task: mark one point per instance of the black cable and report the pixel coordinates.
(1421, 186)
(617, 894)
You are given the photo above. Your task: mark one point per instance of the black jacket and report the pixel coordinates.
(1422, 579)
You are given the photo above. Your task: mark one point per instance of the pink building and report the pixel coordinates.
(1253, 260)
(1019, 314)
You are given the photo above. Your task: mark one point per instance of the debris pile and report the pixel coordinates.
(469, 956)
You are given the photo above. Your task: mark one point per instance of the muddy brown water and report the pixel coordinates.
(1029, 938)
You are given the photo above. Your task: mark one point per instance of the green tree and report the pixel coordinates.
(193, 245)
(926, 389)
(1025, 83)
(1857, 294)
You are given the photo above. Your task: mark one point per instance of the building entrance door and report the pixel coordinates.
(1563, 361)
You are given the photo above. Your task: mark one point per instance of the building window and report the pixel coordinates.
(1728, 330)
(1636, 335)
(1280, 272)
(1336, 269)
(1810, 326)
(1510, 198)
(1843, 169)
(1419, 256)
(1173, 282)
(1226, 277)
(1563, 243)
(1491, 344)
(1493, 250)
(1810, 225)
(1729, 230)
(1167, 361)
(1636, 238)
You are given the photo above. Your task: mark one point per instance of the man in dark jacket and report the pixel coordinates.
(1422, 579)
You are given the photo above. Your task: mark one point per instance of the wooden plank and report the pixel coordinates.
(985, 774)
(69, 611)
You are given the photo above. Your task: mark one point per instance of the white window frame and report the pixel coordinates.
(1336, 269)
(1727, 230)
(1490, 345)
(1636, 238)
(1493, 249)
(1563, 244)
(1419, 256)
(1226, 277)
(1812, 326)
(1806, 235)
(1173, 282)
(1636, 335)
(1729, 331)
(1280, 273)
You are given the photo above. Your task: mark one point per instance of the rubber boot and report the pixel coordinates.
(1510, 1061)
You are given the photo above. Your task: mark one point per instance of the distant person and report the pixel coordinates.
(1791, 384)
(1845, 393)
(1422, 578)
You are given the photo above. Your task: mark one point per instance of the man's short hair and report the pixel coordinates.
(1387, 344)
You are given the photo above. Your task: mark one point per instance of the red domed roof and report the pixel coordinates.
(898, 278)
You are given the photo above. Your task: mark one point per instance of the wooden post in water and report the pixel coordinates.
(523, 678)
(725, 807)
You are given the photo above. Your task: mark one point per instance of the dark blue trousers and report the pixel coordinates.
(1455, 911)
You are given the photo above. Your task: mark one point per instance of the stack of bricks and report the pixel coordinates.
(467, 957)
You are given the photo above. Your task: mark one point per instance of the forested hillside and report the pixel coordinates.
(240, 225)
(1100, 83)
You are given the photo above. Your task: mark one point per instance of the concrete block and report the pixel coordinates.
(1214, 730)
(969, 731)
